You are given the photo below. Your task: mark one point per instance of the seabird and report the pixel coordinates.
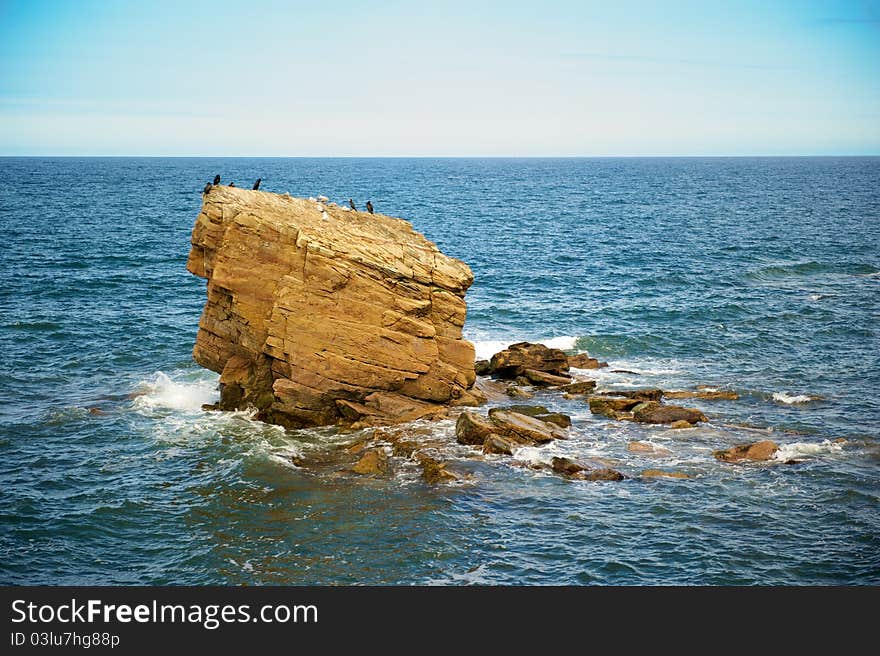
(323, 199)
(207, 188)
(351, 205)
(231, 184)
(257, 184)
(217, 179)
(369, 207)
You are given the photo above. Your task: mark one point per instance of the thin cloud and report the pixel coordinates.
(651, 59)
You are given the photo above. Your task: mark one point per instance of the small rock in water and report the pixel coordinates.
(580, 387)
(681, 423)
(97, 411)
(566, 466)
(500, 445)
(604, 474)
(659, 473)
(584, 361)
(434, 471)
(652, 412)
(711, 395)
(516, 392)
(472, 428)
(530, 410)
(561, 420)
(373, 463)
(482, 368)
(543, 378)
(648, 449)
(523, 427)
(516, 358)
(756, 451)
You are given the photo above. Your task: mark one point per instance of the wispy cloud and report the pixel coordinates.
(651, 59)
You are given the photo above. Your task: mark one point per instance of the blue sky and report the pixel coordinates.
(439, 79)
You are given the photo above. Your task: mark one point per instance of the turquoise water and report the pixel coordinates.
(759, 275)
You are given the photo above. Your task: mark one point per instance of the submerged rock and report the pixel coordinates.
(680, 424)
(318, 318)
(659, 473)
(712, 395)
(530, 410)
(648, 449)
(374, 462)
(434, 471)
(516, 358)
(756, 451)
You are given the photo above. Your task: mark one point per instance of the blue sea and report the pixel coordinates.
(755, 275)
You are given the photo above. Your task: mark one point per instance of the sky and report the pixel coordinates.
(335, 78)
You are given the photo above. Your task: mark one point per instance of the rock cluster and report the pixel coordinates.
(318, 315)
(509, 428)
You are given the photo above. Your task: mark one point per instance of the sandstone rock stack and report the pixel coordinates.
(317, 315)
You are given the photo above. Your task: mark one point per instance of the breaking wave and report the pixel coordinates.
(486, 348)
(163, 392)
(792, 399)
(801, 449)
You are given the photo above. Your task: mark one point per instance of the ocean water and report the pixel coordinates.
(757, 275)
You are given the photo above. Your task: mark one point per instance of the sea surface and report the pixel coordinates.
(756, 275)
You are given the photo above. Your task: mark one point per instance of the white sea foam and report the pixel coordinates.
(486, 348)
(791, 399)
(163, 392)
(801, 449)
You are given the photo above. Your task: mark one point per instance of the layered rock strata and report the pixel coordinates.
(318, 315)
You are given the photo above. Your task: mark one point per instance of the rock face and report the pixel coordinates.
(317, 315)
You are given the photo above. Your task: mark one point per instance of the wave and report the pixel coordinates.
(801, 449)
(810, 268)
(793, 399)
(486, 348)
(165, 393)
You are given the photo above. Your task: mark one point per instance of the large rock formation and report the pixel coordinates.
(317, 315)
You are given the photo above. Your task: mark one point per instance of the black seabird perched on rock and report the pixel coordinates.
(351, 205)
(257, 184)
(207, 188)
(217, 179)
(369, 207)
(231, 184)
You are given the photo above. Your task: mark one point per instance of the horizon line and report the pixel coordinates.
(135, 156)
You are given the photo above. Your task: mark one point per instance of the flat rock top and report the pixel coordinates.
(385, 243)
